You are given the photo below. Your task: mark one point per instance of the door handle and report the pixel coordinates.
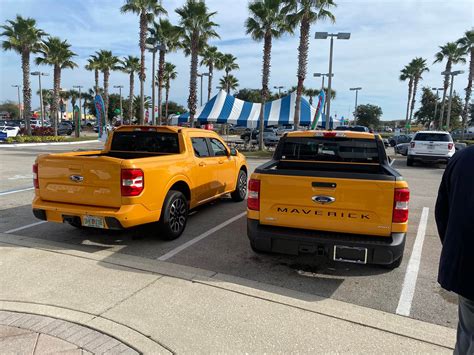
(202, 164)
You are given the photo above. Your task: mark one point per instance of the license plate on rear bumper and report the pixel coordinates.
(93, 221)
(350, 254)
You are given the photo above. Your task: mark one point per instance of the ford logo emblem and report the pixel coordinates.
(324, 200)
(76, 178)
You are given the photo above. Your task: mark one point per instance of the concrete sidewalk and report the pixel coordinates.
(159, 307)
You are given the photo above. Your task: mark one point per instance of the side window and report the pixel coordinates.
(200, 147)
(218, 148)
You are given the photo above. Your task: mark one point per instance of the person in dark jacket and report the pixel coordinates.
(455, 220)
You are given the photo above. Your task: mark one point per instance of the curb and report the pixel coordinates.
(14, 145)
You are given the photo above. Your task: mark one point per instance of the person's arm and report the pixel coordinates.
(442, 207)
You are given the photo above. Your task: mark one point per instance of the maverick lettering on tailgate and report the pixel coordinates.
(323, 213)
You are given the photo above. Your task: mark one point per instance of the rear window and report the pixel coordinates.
(154, 142)
(330, 149)
(433, 137)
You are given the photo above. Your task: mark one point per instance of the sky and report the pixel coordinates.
(385, 36)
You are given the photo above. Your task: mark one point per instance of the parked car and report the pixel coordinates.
(385, 142)
(402, 149)
(430, 147)
(249, 134)
(468, 133)
(281, 130)
(15, 123)
(270, 137)
(65, 128)
(108, 127)
(352, 128)
(10, 131)
(402, 138)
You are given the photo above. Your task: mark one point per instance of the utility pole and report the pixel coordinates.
(120, 87)
(355, 107)
(279, 90)
(20, 116)
(453, 74)
(39, 75)
(78, 124)
(436, 103)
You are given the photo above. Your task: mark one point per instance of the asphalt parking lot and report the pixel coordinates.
(215, 239)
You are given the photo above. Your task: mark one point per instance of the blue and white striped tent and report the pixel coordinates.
(224, 108)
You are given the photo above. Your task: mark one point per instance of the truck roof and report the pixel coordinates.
(348, 134)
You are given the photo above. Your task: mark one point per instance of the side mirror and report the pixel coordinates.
(233, 152)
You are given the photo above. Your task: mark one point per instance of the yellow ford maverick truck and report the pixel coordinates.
(144, 175)
(329, 193)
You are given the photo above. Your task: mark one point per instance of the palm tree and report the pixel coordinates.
(137, 105)
(130, 65)
(23, 37)
(58, 54)
(93, 65)
(453, 54)
(266, 21)
(407, 73)
(146, 10)
(211, 58)
(228, 63)
(197, 27)
(466, 44)
(166, 36)
(229, 82)
(311, 93)
(107, 62)
(169, 73)
(419, 67)
(305, 13)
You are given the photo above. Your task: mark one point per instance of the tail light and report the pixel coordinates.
(253, 200)
(400, 205)
(450, 146)
(133, 182)
(35, 176)
(412, 145)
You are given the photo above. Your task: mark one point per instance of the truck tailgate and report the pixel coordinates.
(357, 206)
(85, 180)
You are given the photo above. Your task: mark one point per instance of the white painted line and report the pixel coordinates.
(15, 191)
(179, 249)
(24, 227)
(411, 275)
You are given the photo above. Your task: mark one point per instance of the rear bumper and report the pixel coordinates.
(430, 158)
(115, 218)
(380, 250)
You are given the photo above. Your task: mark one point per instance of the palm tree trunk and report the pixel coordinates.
(54, 106)
(143, 33)
(161, 73)
(302, 64)
(311, 101)
(130, 101)
(106, 95)
(209, 80)
(153, 87)
(445, 87)
(267, 52)
(410, 89)
(25, 65)
(167, 95)
(465, 111)
(96, 78)
(193, 77)
(413, 100)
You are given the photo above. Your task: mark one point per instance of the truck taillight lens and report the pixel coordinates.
(35, 176)
(253, 200)
(133, 182)
(412, 145)
(400, 205)
(450, 146)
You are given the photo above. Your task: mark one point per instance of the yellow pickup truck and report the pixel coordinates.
(145, 174)
(329, 193)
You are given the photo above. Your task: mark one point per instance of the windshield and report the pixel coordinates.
(331, 149)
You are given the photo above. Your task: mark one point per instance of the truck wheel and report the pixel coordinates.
(409, 162)
(241, 187)
(174, 215)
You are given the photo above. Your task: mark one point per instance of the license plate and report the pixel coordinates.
(93, 221)
(431, 147)
(350, 254)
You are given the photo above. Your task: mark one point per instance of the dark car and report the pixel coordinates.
(270, 137)
(352, 128)
(402, 138)
(65, 128)
(249, 134)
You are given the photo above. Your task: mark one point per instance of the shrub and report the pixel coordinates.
(35, 139)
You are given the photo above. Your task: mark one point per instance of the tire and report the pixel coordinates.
(174, 215)
(409, 162)
(396, 264)
(240, 191)
(392, 143)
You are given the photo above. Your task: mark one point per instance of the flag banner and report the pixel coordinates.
(319, 109)
(100, 114)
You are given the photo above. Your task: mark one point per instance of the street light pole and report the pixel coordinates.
(355, 107)
(201, 75)
(453, 74)
(325, 35)
(436, 103)
(279, 90)
(121, 112)
(78, 124)
(40, 74)
(20, 116)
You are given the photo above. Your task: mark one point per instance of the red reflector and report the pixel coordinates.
(35, 176)
(329, 134)
(400, 205)
(450, 146)
(253, 200)
(133, 182)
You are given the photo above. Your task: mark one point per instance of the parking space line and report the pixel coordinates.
(411, 275)
(24, 227)
(179, 249)
(8, 192)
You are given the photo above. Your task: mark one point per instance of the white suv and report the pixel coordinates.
(430, 147)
